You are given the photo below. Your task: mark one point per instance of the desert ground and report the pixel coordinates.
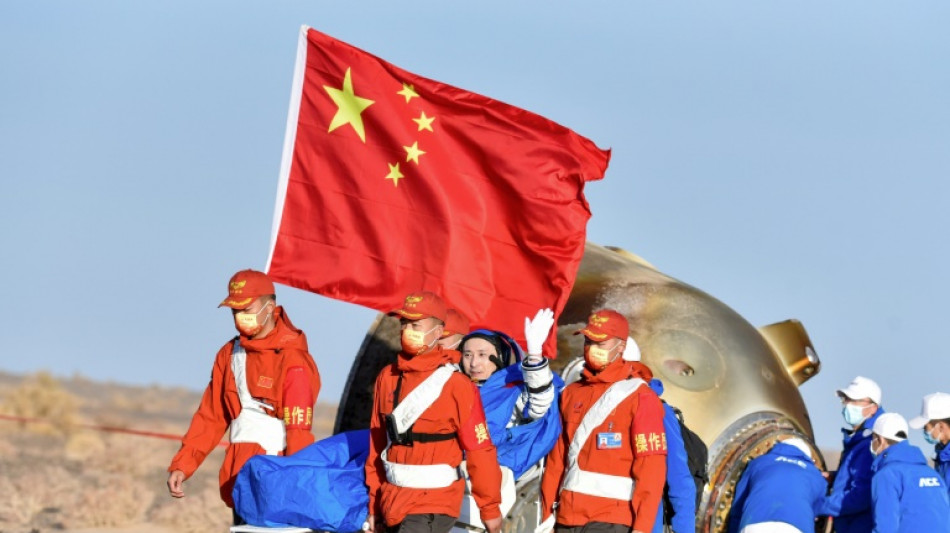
(58, 476)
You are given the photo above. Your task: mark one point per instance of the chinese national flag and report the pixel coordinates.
(393, 183)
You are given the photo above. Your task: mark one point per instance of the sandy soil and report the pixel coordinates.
(57, 477)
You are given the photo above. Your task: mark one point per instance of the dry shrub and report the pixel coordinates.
(83, 445)
(42, 396)
(111, 501)
(200, 511)
(130, 455)
(30, 492)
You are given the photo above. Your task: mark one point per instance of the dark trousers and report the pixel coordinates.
(593, 527)
(425, 523)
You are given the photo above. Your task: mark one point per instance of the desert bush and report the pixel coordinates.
(110, 501)
(131, 455)
(33, 490)
(82, 445)
(42, 396)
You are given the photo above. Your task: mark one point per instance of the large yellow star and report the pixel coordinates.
(394, 173)
(424, 122)
(349, 106)
(413, 152)
(408, 91)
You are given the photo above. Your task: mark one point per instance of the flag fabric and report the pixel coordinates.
(393, 183)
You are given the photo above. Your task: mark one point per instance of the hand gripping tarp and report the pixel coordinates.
(521, 446)
(323, 486)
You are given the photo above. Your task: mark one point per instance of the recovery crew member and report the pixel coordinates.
(425, 415)
(907, 495)
(778, 491)
(934, 419)
(264, 384)
(850, 498)
(606, 472)
(680, 490)
(456, 327)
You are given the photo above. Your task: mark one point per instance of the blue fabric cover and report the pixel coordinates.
(521, 446)
(908, 496)
(783, 485)
(850, 498)
(323, 486)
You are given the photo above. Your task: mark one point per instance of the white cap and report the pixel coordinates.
(888, 425)
(862, 388)
(801, 445)
(936, 406)
(632, 351)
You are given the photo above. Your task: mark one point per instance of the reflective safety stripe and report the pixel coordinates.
(770, 527)
(595, 483)
(416, 402)
(254, 424)
(419, 476)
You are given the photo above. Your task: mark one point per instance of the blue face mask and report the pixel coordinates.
(853, 414)
(929, 438)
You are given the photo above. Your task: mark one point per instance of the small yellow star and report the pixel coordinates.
(349, 106)
(413, 152)
(408, 91)
(394, 173)
(424, 122)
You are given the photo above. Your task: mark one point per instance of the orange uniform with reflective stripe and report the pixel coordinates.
(639, 453)
(281, 373)
(458, 409)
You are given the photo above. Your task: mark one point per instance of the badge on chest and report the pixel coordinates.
(609, 441)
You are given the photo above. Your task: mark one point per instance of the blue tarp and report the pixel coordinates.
(321, 487)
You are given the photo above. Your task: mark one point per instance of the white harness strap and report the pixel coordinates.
(405, 414)
(595, 483)
(254, 424)
(421, 398)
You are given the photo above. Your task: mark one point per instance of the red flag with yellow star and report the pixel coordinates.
(393, 183)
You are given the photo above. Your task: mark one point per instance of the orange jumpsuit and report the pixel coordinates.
(280, 372)
(639, 454)
(457, 409)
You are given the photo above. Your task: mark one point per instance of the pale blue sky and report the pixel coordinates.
(789, 158)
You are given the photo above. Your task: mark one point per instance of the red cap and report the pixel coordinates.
(420, 305)
(245, 287)
(455, 324)
(605, 323)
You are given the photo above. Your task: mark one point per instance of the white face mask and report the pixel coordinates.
(248, 324)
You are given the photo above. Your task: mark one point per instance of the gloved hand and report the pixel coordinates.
(632, 351)
(536, 331)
